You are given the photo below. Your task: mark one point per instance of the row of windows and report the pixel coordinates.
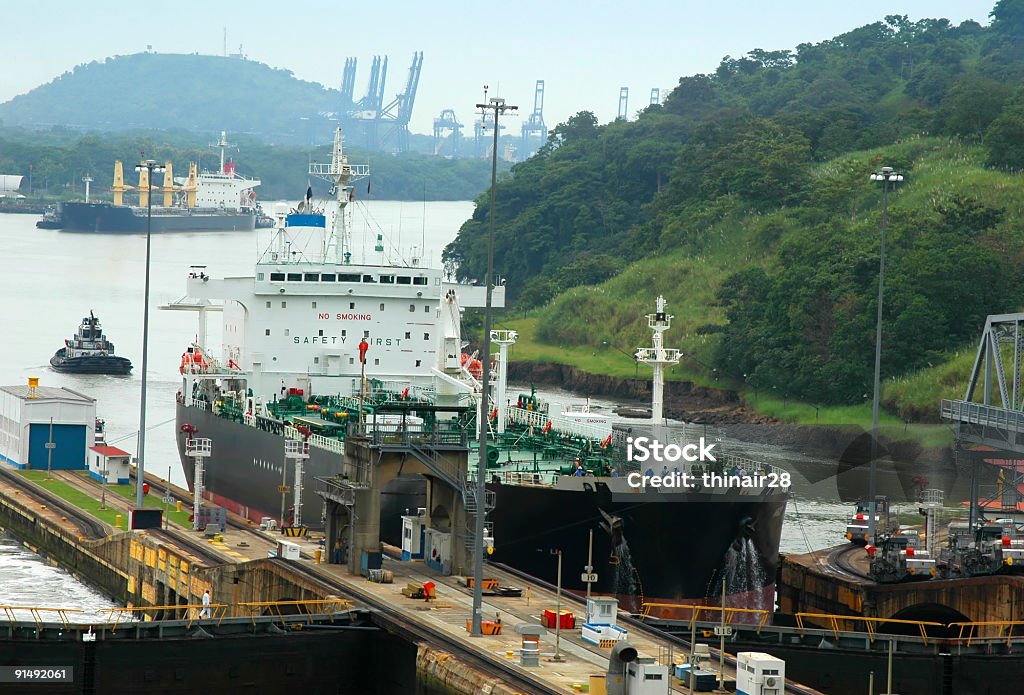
(347, 277)
(352, 305)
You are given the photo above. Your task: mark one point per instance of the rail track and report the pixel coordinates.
(506, 673)
(839, 559)
(91, 527)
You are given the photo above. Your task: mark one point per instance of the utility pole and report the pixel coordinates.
(150, 167)
(50, 446)
(885, 176)
(558, 611)
(721, 646)
(498, 107)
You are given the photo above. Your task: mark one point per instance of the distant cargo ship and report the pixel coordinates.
(221, 200)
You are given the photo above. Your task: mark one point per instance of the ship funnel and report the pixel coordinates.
(33, 386)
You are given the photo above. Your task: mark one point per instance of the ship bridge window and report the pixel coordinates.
(382, 306)
(314, 305)
(348, 277)
(368, 278)
(259, 276)
(426, 308)
(311, 277)
(404, 280)
(387, 279)
(328, 277)
(277, 277)
(412, 307)
(294, 277)
(268, 305)
(419, 281)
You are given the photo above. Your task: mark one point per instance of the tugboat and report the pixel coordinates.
(89, 352)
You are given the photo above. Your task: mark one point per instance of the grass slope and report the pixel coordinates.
(590, 327)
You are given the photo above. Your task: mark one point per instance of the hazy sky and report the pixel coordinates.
(584, 51)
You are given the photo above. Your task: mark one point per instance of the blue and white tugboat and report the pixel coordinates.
(89, 352)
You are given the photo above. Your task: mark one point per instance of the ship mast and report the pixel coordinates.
(223, 144)
(341, 175)
(658, 356)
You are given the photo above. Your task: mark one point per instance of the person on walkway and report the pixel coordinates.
(337, 551)
(205, 613)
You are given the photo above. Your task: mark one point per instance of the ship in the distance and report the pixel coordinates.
(291, 367)
(221, 200)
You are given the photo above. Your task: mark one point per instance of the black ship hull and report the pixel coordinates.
(104, 217)
(117, 366)
(669, 548)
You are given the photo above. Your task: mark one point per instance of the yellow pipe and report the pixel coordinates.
(168, 185)
(191, 185)
(143, 187)
(119, 188)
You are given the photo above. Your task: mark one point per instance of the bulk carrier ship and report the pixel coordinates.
(312, 339)
(210, 200)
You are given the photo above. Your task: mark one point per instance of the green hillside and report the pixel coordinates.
(745, 199)
(198, 93)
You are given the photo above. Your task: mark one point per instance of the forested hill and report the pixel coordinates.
(199, 93)
(745, 198)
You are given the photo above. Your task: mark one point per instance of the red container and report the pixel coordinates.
(428, 589)
(567, 621)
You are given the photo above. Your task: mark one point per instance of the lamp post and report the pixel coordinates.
(150, 167)
(886, 176)
(497, 106)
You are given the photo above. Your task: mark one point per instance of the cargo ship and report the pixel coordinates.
(221, 200)
(311, 341)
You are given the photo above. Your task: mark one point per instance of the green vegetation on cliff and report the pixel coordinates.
(745, 200)
(59, 158)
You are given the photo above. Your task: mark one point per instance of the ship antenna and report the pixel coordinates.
(341, 175)
(223, 144)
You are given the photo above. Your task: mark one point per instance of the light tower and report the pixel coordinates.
(298, 451)
(198, 448)
(658, 356)
(503, 339)
(86, 180)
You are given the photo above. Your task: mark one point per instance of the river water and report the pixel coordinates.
(52, 278)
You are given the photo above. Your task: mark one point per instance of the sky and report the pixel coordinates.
(585, 51)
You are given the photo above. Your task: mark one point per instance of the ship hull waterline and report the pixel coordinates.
(104, 217)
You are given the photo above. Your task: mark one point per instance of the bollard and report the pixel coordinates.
(317, 555)
(117, 522)
(179, 506)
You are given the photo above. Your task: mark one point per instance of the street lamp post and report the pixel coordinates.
(150, 167)
(497, 106)
(886, 176)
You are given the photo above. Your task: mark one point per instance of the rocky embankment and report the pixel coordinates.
(683, 399)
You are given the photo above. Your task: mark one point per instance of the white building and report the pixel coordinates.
(43, 427)
(109, 465)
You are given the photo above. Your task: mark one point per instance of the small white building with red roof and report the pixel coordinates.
(108, 464)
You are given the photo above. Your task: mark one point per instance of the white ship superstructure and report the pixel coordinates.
(224, 189)
(298, 322)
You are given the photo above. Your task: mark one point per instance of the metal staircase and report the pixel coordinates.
(469, 501)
